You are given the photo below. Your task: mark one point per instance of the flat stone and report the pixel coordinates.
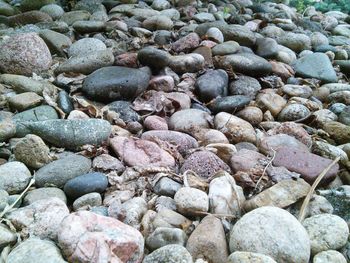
(247, 257)
(170, 254)
(87, 201)
(42, 194)
(164, 236)
(189, 201)
(25, 101)
(15, 177)
(307, 164)
(329, 256)
(55, 41)
(85, 46)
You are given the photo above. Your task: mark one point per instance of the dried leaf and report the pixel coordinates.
(50, 95)
(87, 107)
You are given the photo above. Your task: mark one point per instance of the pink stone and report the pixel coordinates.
(88, 237)
(138, 152)
(246, 159)
(155, 123)
(186, 43)
(162, 83)
(126, 60)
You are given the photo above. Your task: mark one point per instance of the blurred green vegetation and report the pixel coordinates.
(322, 5)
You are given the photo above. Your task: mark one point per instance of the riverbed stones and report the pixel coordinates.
(190, 201)
(15, 177)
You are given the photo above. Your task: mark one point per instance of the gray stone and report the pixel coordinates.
(56, 42)
(163, 236)
(58, 172)
(27, 5)
(294, 41)
(188, 119)
(85, 46)
(73, 16)
(115, 83)
(71, 134)
(7, 237)
(316, 65)
(159, 22)
(191, 200)
(245, 85)
(24, 101)
(7, 130)
(87, 201)
(187, 63)
(169, 254)
(249, 257)
(226, 48)
(35, 250)
(22, 84)
(229, 103)
(43, 193)
(53, 10)
(212, 84)
(125, 111)
(266, 47)
(166, 186)
(293, 112)
(154, 58)
(278, 235)
(329, 256)
(91, 26)
(15, 177)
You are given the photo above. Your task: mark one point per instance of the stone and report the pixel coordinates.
(15, 177)
(266, 47)
(25, 101)
(125, 111)
(158, 22)
(154, 58)
(32, 151)
(85, 184)
(28, 18)
(236, 129)
(53, 10)
(86, 27)
(186, 43)
(27, 5)
(209, 136)
(163, 236)
(226, 48)
(326, 231)
(64, 102)
(71, 134)
(282, 194)
(337, 131)
(42, 194)
(303, 91)
(73, 16)
(41, 218)
(138, 152)
(245, 63)
(170, 218)
(162, 83)
(247, 257)
(329, 256)
(251, 114)
(271, 102)
(190, 201)
(229, 103)
(189, 119)
(55, 41)
(169, 253)
(85, 46)
(246, 159)
(155, 123)
(24, 54)
(22, 84)
(215, 34)
(6, 9)
(116, 83)
(294, 41)
(278, 235)
(307, 164)
(87, 201)
(160, 5)
(293, 112)
(7, 237)
(87, 237)
(187, 63)
(58, 172)
(88, 63)
(204, 163)
(105, 163)
(316, 65)
(35, 250)
(269, 144)
(212, 84)
(245, 85)
(210, 246)
(166, 186)
(7, 130)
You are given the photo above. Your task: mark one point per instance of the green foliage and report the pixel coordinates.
(322, 5)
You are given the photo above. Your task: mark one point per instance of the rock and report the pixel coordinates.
(40, 113)
(6, 9)
(190, 201)
(86, 27)
(329, 151)
(27, 5)
(215, 34)
(58, 172)
(25, 101)
(246, 159)
(187, 63)
(293, 112)
(211, 247)
(236, 129)
(226, 48)
(294, 41)
(309, 67)
(247, 257)
(83, 232)
(160, 5)
(318, 205)
(71, 134)
(166, 186)
(154, 58)
(42, 194)
(186, 43)
(204, 163)
(53, 10)
(253, 115)
(271, 102)
(337, 131)
(7, 237)
(278, 235)
(88, 63)
(22, 84)
(138, 152)
(209, 136)
(344, 116)
(116, 83)
(245, 85)
(212, 84)
(85, 46)
(15, 177)
(73, 16)
(297, 91)
(41, 219)
(307, 164)
(87, 201)
(280, 195)
(155, 123)
(64, 102)
(125, 111)
(329, 256)
(164, 236)
(158, 22)
(229, 103)
(55, 41)
(326, 232)
(32, 151)
(162, 83)
(34, 250)
(7, 130)
(24, 54)
(245, 63)
(86, 183)
(266, 47)
(28, 18)
(170, 254)
(189, 119)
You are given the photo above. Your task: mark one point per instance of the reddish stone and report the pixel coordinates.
(155, 123)
(186, 43)
(307, 164)
(162, 83)
(246, 159)
(126, 60)
(88, 237)
(206, 53)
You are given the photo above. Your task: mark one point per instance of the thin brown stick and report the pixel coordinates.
(264, 171)
(313, 187)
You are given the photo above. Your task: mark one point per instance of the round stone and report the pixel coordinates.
(14, 177)
(169, 254)
(191, 200)
(85, 46)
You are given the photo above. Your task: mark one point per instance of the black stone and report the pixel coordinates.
(64, 102)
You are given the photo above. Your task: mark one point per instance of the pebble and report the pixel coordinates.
(212, 84)
(191, 201)
(169, 253)
(25, 101)
(326, 231)
(188, 119)
(7, 237)
(166, 186)
(85, 46)
(247, 257)
(42, 194)
(279, 233)
(87, 201)
(329, 256)
(187, 63)
(15, 177)
(163, 236)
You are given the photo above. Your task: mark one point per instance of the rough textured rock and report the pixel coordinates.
(278, 235)
(15, 177)
(170, 254)
(191, 200)
(88, 237)
(248, 257)
(329, 256)
(163, 236)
